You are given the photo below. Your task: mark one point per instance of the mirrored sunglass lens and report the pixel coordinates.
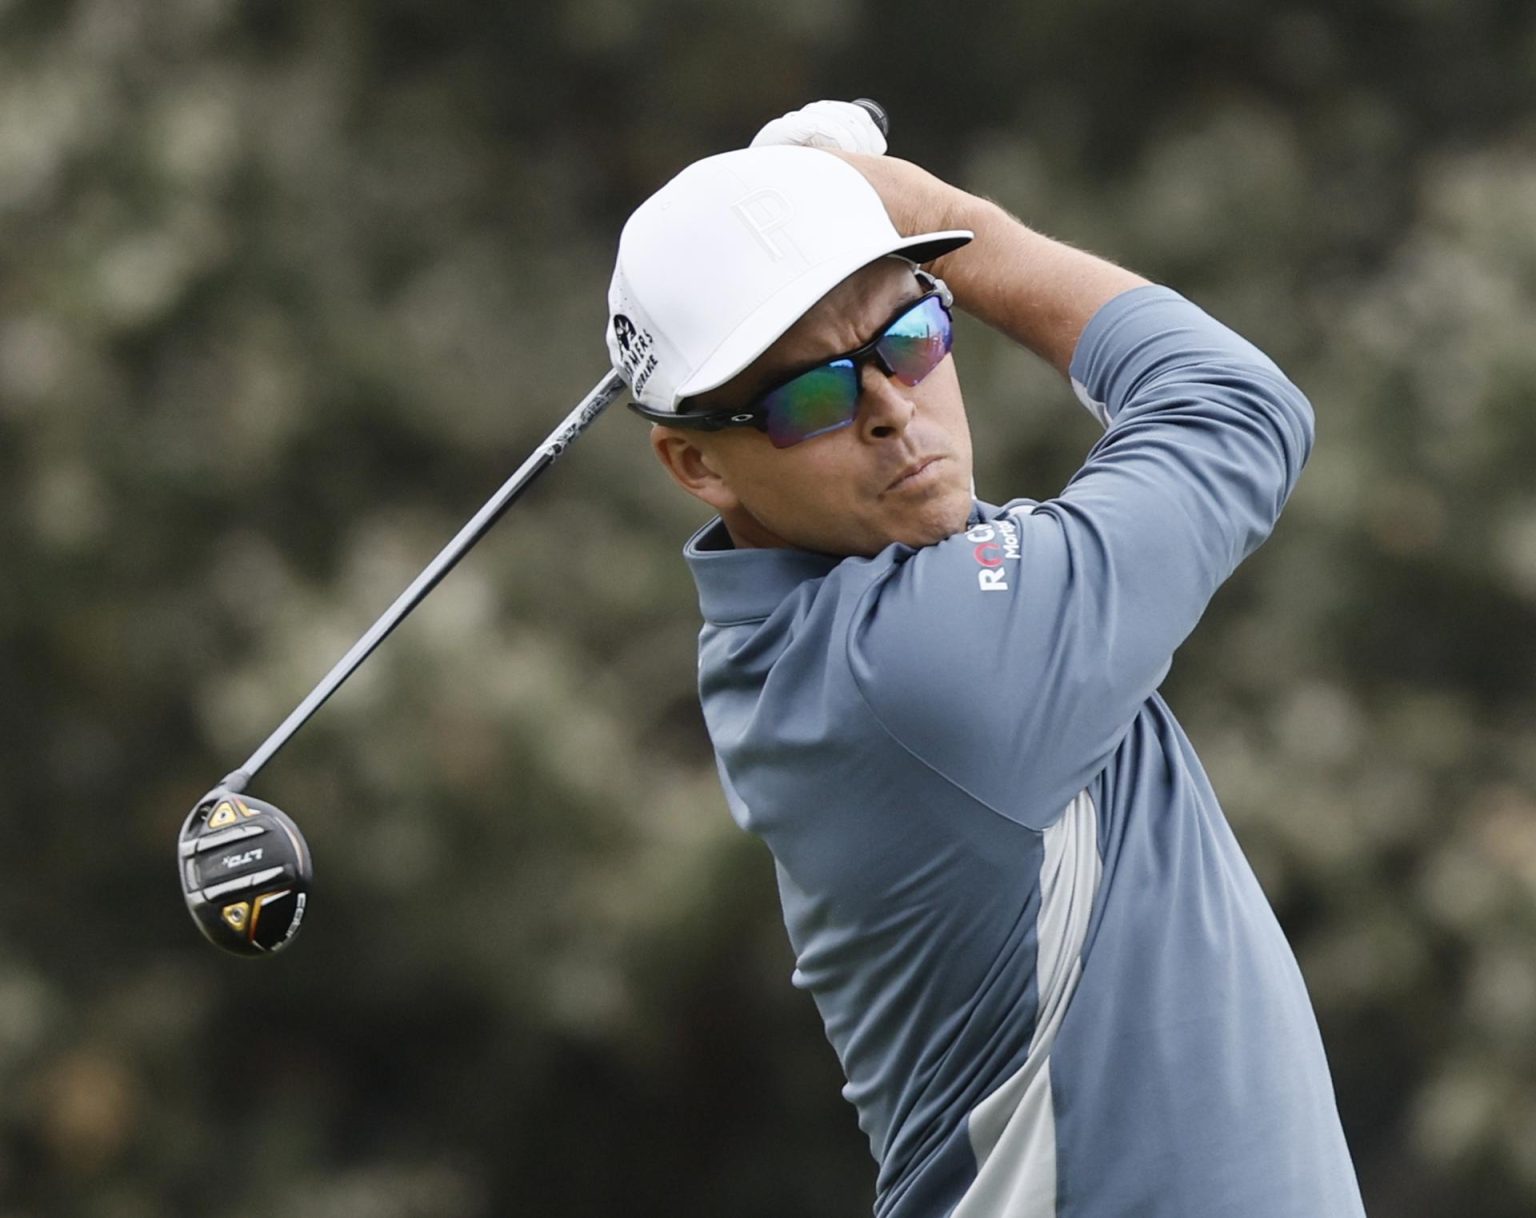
(917, 341)
(814, 402)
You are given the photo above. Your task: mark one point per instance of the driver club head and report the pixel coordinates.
(245, 873)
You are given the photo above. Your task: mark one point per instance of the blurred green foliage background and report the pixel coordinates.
(287, 289)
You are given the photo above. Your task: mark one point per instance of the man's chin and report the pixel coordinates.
(939, 521)
(920, 525)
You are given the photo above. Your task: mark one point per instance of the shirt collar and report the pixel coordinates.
(747, 585)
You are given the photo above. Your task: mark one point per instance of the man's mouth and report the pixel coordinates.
(918, 474)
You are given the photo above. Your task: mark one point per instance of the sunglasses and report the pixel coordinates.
(825, 398)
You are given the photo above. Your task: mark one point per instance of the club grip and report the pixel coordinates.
(876, 112)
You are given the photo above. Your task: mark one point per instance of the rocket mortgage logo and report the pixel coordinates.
(993, 542)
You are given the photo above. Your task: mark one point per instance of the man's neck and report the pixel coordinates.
(748, 533)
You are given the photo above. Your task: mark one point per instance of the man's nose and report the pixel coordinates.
(884, 407)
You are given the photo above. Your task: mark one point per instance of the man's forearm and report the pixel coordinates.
(1038, 291)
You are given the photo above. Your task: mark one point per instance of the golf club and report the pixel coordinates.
(245, 868)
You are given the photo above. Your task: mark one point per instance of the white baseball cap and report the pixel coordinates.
(729, 254)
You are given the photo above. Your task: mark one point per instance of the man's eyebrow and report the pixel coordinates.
(761, 384)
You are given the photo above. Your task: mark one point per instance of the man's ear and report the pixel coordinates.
(692, 466)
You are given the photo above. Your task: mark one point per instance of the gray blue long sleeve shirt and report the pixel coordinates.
(1052, 980)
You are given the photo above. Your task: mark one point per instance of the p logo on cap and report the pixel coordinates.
(766, 213)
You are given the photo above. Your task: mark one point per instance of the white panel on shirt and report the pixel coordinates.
(1013, 1130)
(1098, 410)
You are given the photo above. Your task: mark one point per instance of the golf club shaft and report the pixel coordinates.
(597, 400)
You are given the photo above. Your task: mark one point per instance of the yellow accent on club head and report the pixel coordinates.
(245, 809)
(223, 815)
(236, 915)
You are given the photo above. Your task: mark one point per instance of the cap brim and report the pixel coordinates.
(765, 326)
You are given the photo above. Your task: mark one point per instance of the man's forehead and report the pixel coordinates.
(870, 287)
(840, 321)
(843, 317)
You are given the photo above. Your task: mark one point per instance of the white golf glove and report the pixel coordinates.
(843, 125)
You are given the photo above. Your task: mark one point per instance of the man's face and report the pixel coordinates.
(901, 471)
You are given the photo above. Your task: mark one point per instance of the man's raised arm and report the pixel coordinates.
(1039, 292)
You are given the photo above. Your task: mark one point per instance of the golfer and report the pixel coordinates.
(1051, 978)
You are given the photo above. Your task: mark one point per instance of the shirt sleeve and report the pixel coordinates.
(1014, 657)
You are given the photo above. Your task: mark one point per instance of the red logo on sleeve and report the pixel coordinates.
(994, 542)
